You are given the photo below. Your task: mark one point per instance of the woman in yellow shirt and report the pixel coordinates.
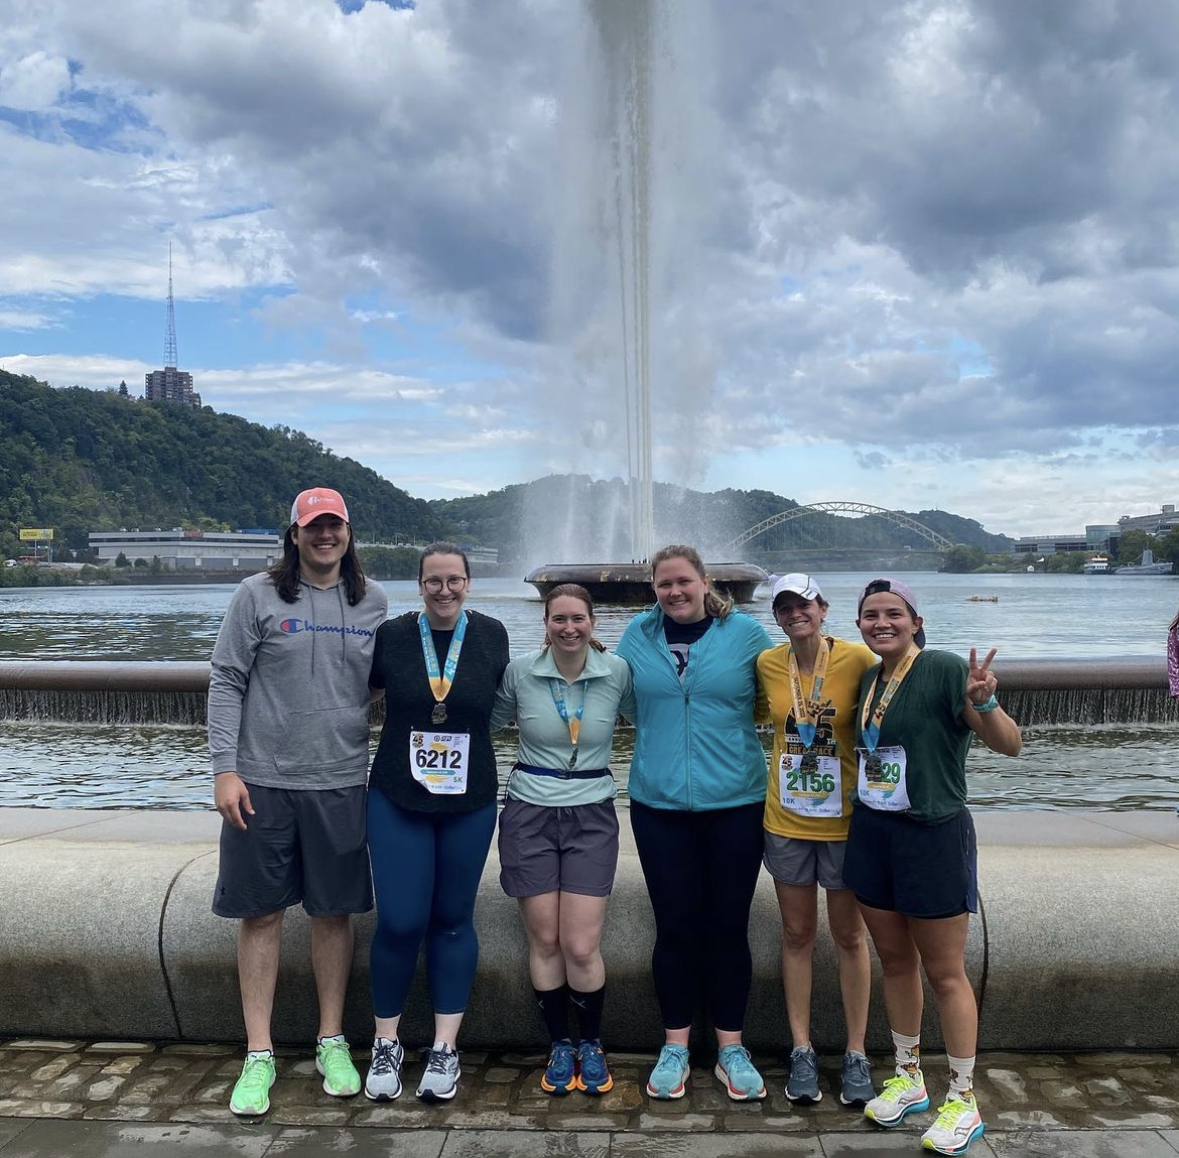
(813, 686)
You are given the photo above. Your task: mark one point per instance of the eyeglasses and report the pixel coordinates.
(434, 585)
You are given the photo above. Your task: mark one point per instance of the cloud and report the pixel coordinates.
(932, 232)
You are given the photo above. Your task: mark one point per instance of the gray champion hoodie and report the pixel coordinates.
(288, 691)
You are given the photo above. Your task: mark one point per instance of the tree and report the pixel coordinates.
(121, 560)
(1131, 545)
(962, 559)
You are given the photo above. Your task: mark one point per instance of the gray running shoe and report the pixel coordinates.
(440, 1081)
(803, 1083)
(856, 1080)
(383, 1083)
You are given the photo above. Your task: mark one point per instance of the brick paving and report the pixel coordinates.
(1034, 1104)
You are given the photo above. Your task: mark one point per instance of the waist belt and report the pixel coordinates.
(562, 773)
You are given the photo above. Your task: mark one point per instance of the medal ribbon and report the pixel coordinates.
(573, 723)
(440, 681)
(806, 713)
(870, 733)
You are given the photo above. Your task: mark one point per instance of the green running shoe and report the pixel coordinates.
(333, 1059)
(251, 1094)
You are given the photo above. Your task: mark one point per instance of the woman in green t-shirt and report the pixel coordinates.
(911, 857)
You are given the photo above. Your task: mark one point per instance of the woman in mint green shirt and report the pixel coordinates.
(558, 832)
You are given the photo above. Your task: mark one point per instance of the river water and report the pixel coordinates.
(1026, 616)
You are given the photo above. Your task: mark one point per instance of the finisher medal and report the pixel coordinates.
(438, 715)
(873, 766)
(809, 762)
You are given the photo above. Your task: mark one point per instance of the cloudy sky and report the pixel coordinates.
(920, 254)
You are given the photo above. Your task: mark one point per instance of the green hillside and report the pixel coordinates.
(510, 518)
(80, 460)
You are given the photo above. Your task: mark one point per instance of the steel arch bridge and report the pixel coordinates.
(895, 517)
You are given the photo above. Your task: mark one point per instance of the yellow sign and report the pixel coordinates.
(36, 534)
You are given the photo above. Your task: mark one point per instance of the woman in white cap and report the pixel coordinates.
(813, 686)
(911, 859)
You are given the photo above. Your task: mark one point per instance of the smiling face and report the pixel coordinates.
(443, 586)
(801, 619)
(680, 589)
(321, 544)
(888, 626)
(568, 624)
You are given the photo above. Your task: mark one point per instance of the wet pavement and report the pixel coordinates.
(116, 1099)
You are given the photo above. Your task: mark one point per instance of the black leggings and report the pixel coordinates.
(701, 870)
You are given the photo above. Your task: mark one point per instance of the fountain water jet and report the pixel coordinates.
(633, 45)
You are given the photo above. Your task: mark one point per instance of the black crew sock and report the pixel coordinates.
(589, 1012)
(554, 1008)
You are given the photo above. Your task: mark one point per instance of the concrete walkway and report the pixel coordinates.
(139, 1100)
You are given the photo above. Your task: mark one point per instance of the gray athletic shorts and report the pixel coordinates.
(545, 850)
(307, 845)
(795, 861)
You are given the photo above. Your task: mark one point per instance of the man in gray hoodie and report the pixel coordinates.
(288, 733)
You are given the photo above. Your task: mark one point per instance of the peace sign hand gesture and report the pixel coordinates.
(981, 682)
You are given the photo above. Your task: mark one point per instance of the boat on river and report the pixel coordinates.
(1148, 566)
(1096, 565)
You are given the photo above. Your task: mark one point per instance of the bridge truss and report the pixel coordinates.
(940, 542)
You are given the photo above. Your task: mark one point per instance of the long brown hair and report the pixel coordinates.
(715, 604)
(571, 591)
(285, 573)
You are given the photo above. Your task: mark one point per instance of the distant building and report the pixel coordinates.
(1159, 524)
(170, 384)
(249, 550)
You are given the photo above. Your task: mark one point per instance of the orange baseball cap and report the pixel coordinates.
(315, 502)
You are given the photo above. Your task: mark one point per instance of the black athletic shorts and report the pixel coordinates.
(307, 845)
(900, 864)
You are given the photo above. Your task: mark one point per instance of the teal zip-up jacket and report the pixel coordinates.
(696, 746)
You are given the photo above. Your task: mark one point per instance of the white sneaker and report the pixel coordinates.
(958, 1124)
(440, 1081)
(902, 1094)
(383, 1083)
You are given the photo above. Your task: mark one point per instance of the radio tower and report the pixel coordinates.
(171, 361)
(170, 384)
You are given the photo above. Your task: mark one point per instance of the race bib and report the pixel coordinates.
(439, 761)
(882, 782)
(811, 785)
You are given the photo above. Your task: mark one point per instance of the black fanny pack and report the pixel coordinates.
(562, 773)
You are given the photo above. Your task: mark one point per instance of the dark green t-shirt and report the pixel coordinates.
(925, 718)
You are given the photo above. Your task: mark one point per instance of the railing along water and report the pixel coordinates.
(1035, 692)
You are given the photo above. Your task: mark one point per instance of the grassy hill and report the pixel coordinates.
(80, 460)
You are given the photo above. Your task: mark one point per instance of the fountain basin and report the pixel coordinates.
(630, 583)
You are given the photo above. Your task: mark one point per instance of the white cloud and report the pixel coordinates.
(930, 242)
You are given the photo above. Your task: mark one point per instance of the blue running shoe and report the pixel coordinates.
(742, 1081)
(670, 1074)
(560, 1075)
(803, 1083)
(593, 1074)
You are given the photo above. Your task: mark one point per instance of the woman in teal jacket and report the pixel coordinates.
(697, 790)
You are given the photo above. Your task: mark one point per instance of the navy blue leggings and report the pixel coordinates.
(426, 870)
(701, 870)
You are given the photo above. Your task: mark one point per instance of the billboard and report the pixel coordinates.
(36, 534)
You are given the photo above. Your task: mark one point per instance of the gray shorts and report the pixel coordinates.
(545, 850)
(795, 861)
(307, 845)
